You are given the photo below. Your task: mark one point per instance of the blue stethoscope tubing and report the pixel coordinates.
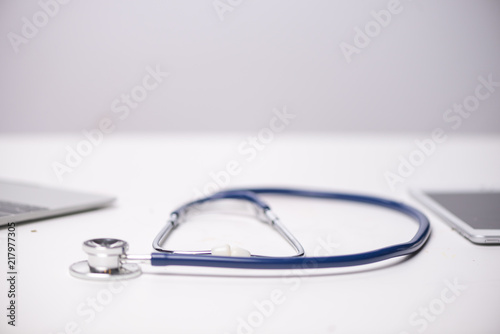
(250, 194)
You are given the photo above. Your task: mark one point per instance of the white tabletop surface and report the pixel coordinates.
(451, 286)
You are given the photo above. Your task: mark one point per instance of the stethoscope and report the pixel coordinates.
(108, 258)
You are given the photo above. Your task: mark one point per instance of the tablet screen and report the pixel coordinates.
(481, 210)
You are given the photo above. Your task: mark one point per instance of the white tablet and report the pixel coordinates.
(475, 215)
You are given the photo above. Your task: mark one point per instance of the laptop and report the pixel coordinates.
(21, 202)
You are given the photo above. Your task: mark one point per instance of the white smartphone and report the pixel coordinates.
(475, 215)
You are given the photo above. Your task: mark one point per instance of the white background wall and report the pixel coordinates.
(230, 74)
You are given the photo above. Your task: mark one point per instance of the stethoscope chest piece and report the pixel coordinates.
(104, 262)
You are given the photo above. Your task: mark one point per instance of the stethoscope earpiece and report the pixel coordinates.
(228, 250)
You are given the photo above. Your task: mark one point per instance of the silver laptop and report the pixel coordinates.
(21, 202)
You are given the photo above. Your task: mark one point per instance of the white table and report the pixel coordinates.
(152, 174)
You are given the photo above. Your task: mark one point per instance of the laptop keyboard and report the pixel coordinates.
(9, 208)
